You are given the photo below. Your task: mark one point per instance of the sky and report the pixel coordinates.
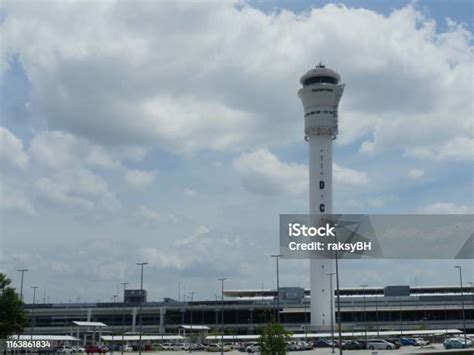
(170, 132)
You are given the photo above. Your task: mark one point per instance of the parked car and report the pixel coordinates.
(336, 343)
(64, 349)
(126, 347)
(321, 343)
(292, 346)
(456, 343)
(96, 349)
(241, 347)
(78, 349)
(379, 344)
(303, 345)
(395, 342)
(215, 348)
(421, 342)
(408, 341)
(362, 343)
(192, 346)
(166, 346)
(353, 345)
(179, 346)
(252, 348)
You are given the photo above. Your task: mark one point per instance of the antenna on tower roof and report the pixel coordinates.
(320, 65)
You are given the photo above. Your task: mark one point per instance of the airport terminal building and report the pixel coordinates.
(389, 308)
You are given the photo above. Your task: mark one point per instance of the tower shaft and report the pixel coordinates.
(320, 202)
(320, 95)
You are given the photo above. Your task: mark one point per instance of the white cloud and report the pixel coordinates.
(349, 176)
(203, 247)
(367, 147)
(445, 208)
(18, 201)
(60, 150)
(245, 65)
(149, 214)
(189, 192)
(11, 149)
(97, 156)
(416, 174)
(64, 164)
(139, 178)
(457, 149)
(262, 172)
(78, 188)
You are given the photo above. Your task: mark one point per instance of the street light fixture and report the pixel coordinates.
(462, 304)
(222, 279)
(141, 308)
(114, 298)
(365, 312)
(330, 274)
(191, 319)
(21, 287)
(339, 326)
(33, 320)
(277, 257)
(124, 284)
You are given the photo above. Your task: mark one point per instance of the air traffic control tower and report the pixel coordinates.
(321, 92)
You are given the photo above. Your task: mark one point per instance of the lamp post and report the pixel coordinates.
(377, 315)
(21, 287)
(365, 313)
(33, 320)
(401, 315)
(191, 319)
(141, 308)
(339, 327)
(462, 304)
(114, 298)
(222, 279)
(330, 274)
(277, 257)
(124, 284)
(305, 319)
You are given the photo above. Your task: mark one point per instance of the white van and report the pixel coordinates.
(379, 344)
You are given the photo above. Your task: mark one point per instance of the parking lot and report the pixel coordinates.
(327, 351)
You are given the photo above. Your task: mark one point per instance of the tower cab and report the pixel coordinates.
(322, 89)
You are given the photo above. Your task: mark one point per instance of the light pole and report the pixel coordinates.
(305, 319)
(330, 274)
(141, 308)
(339, 327)
(365, 313)
(462, 304)
(191, 319)
(114, 298)
(222, 279)
(277, 257)
(33, 320)
(124, 284)
(401, 315)
(21, 287)
(377, 315)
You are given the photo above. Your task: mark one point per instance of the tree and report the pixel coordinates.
(13, 317)
(273, 339)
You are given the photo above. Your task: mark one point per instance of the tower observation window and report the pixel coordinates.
(319, 80)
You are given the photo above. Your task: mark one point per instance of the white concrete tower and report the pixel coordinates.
(321, 92)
